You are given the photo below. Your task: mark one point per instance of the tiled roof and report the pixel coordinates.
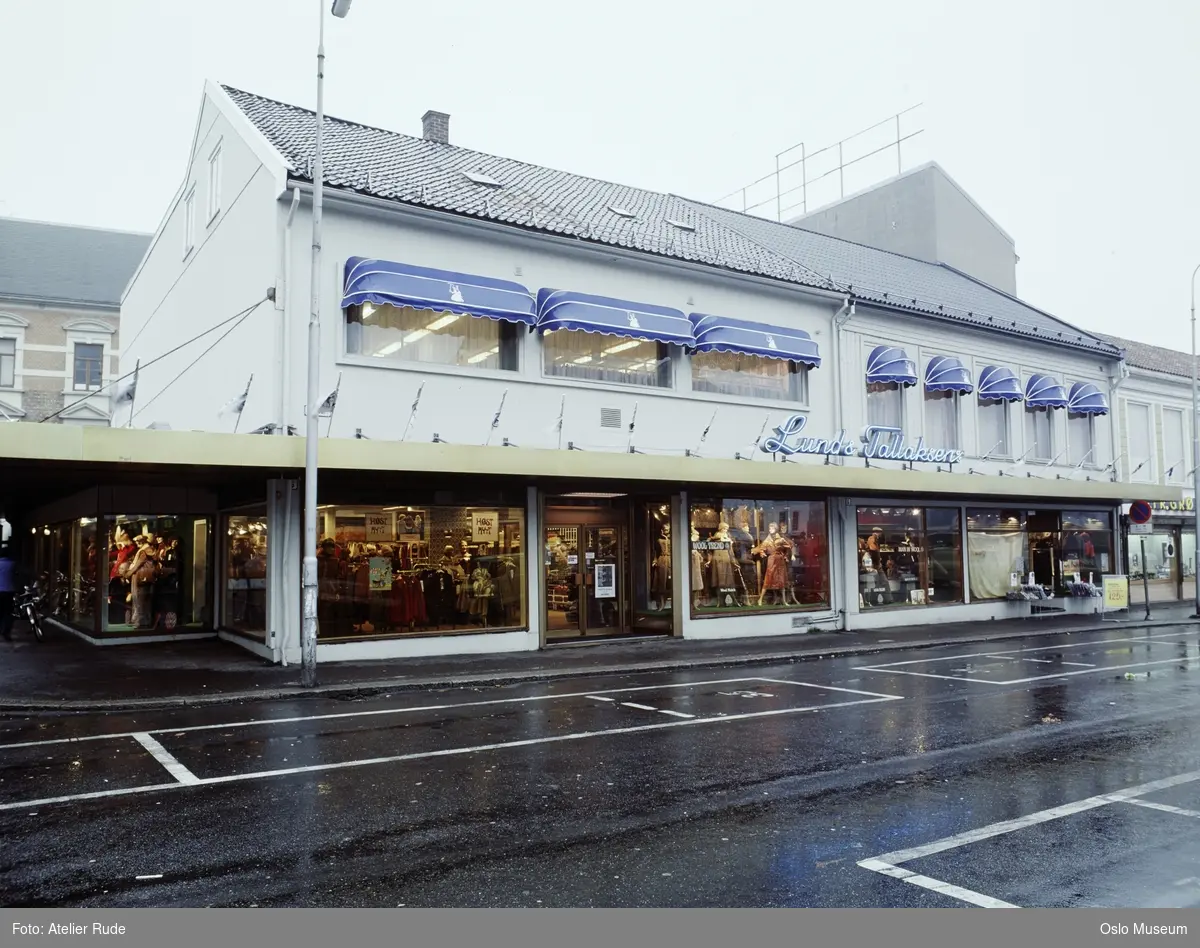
(431, 174)
(43, 262)
(1142, 355)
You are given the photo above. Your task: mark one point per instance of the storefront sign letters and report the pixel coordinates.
(878, 442)
(1188, 504)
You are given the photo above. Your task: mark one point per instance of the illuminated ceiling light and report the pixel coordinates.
(582, 360)
(483, 356)
(389, 349)
(368, 310)
(414, 336)
(443, 322)
(632, 344)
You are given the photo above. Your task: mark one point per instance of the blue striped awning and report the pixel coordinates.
(1086, 399)
(1041, 391)
(891, 364)
(946, 374)
(720, 334)
(998, 383)
(399, 284)
(564, 309)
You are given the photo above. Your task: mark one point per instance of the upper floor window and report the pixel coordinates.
(404, 334)
(993, 429)
(749, 376)
(1141, 442)
(941, 419)
(577, 354)
(1176, 455)
(1039, 434)
(214, 182)
(1081, 439)
(8, 363)
(89, 366)
(885, 404)
(189, 222)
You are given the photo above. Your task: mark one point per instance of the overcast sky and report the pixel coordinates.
(1075, 124)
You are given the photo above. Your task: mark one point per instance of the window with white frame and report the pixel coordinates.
(885, 404)
(214, 183)
(992, 421)
(941, 419)
(8, 363)
(1039, 434)
(1081, 439)
(1175, 453)
(407, 335)
(189, 222)
(578, 354)
(749, 376)
(89, 366)
(1140, 462)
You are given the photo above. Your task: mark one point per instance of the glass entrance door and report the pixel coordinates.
(587, 588)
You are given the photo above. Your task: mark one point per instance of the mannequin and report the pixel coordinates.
(697, 570)
(662, 568)
(724, 572)
(775, 547)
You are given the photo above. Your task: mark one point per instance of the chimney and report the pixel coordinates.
(435, 127)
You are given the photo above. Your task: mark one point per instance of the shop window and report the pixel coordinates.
(158, 574)
(389, 571)
(997, 547)
(909, 556)
(404, 334)
(1176, 453)
(1141, 442)
(993, 429)
(1081, 439)
(749, 376)
(1039, 434)
(89, 366)
(8, 363)
(245, 606)
(941, 419)
(81, 580)
(1085, 546)
(885, 404)
(751, 556)
(576, 354)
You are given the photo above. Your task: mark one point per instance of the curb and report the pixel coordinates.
(378, 686)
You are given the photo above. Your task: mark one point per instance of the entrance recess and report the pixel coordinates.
(587, 581)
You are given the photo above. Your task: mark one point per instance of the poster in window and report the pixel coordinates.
(606, 580)
(410, 525)
(485, 526)
(380, 573)
(380, 526)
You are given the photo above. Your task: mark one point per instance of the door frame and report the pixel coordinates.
(583, 519)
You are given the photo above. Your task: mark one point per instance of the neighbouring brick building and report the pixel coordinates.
(60, 306)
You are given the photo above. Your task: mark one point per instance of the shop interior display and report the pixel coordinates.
(755, 555)
(402, 580)
(144, 575)
(246, 584)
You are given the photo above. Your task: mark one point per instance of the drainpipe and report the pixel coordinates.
(838, 526)
(281, 333)
(840, 318)
(1115, 380)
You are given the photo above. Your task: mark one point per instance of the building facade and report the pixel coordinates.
(557, 409)
(60, 307)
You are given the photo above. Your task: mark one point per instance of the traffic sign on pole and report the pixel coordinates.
(1140, 512)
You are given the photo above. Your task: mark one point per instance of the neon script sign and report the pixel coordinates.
(878, 442)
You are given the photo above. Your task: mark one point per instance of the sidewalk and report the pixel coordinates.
(66, 674)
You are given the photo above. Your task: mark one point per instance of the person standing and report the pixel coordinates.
(8, 588)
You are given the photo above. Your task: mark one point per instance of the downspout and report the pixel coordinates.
(281, 334)
(1115, 381)
(840, 318)
(837, 526)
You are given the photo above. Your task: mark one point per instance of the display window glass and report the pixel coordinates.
(749, 376)
(246, 574)
(751, 556)
(578, 354)
(404, 334)
(909, 556)
(399, 570)
(82, 578)
(997, 551)
(157, 573)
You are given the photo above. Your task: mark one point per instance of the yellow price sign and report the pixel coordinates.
(1116, 592)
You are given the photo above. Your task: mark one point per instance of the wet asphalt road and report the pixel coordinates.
(748, 786)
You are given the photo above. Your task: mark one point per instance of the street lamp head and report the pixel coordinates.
(341, 7)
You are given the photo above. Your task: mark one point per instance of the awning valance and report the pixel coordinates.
(1086, 399)
(998, 383)
(891, 364)
(385, 283)
(947, 374)
(1041, 391)
(564, 309)
(721, 334)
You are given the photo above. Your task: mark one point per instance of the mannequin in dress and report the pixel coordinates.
(775, 547)
(662, 568)
(697, 570)
(724, 577)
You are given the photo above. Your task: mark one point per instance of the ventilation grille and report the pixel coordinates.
(610, 418)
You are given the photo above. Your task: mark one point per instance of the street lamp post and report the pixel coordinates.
(1195, 455)
(308, 631)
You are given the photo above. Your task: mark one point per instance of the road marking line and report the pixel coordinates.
(1190, 663)
(675, 714)
(935, 885)
(157, 875)
(1080, 664)
(602, 698)
(167, 759)
(343, 715)
(447, 752)
(1152, 639)
(640, 707)
(1164, 807)
(809, 684)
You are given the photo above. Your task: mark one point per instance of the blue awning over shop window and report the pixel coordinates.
(385, 283)
(1086, 399)
(720, 334)
(1044, 392)
(946, 374)
(891, 364)
(564, 309)
(999, 383)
